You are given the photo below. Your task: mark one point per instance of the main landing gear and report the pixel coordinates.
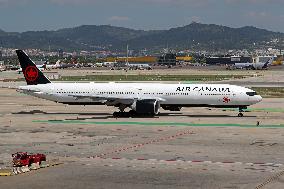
(131, 113)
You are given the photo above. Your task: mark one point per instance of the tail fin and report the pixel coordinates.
(32, 74)
(268, 63)
(57, 64)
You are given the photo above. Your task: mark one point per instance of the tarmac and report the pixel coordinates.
(194, 148)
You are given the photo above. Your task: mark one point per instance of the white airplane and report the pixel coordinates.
(52, 66)
(253, 66)
(108, 64)
(141, 98)
(139, 66)
(2, 68)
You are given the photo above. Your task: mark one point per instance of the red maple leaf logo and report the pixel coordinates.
(226, 99)
(31, 73)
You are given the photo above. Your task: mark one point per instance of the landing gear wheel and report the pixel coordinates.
(240, 115)
(116, 114)
(132, 113)
(123, 114)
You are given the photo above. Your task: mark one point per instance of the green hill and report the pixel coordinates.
(193, 36)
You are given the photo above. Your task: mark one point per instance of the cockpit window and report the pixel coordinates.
(251, 93)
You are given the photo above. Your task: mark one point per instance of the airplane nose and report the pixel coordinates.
(259, 98)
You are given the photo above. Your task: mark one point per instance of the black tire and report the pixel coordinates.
(116, 114)
(132, 113)
(240, 115)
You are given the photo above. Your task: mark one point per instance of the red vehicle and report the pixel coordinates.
(23, 159)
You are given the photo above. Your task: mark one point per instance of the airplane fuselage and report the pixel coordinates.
(183, 95)
(255, 66)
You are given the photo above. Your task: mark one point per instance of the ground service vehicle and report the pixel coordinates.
(25, 159)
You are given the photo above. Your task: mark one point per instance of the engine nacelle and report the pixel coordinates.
(150, 107)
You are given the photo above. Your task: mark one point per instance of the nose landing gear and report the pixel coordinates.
(241, 110)
(240, 114)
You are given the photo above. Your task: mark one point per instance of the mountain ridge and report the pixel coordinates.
(98, 37)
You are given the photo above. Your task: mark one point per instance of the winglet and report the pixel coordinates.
(31, 73)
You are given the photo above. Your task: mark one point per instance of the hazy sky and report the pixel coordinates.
(24, 15)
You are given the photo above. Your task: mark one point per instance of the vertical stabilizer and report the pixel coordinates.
(31, 72)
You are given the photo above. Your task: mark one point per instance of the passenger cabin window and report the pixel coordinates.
(251, 93)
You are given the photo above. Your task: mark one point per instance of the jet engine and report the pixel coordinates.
(150, 107)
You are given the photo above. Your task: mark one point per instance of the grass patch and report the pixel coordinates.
(152, 77)
(257, 109)
(177, 124)
(270, 92)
